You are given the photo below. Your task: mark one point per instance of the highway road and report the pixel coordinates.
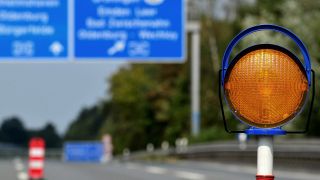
(182, 170)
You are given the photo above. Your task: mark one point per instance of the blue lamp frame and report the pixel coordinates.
(307, 66)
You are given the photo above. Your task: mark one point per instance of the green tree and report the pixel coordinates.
(13, 131)
(49, 134)
(86, 126)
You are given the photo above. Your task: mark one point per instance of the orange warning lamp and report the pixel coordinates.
(266, 85)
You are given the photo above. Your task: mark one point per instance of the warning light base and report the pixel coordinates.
(266, 132)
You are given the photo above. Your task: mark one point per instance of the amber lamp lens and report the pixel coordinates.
(266, 87)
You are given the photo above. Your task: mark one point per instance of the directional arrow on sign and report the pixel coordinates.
(56, 48)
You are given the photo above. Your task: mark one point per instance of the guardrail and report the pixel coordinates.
(9, 153)
(301, 153)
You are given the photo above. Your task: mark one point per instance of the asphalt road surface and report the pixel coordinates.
(56, 170)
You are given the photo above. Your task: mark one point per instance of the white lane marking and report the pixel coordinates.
(19, 166)
(161, 171)
(22, 176)
(16, 160)
(278, 173)
(295, 175)
(189, 175)
(132, 166)
(156, 170)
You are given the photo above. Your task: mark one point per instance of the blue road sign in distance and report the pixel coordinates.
(83, 151)
(140, 30)
(33, 29)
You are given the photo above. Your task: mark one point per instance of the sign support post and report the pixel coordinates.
(194, 29)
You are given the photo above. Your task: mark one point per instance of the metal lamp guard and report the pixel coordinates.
(310, 76)
(262, 27)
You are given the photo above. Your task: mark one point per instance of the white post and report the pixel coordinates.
(194, 28)
(265, 158)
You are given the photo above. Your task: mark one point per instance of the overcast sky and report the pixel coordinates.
(39, 93)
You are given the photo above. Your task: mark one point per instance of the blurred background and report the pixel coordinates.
(146, 107)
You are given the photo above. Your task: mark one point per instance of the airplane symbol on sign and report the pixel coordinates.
(117, 47)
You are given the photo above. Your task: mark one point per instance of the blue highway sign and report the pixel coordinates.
(83, 152)
(33, 29)
(130, 29)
